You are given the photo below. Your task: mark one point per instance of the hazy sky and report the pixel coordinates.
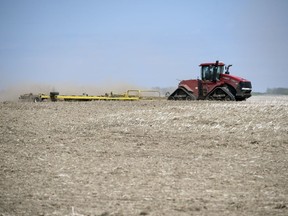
(143, 42)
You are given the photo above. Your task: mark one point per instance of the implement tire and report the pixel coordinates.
(53, 96)
(37, 99)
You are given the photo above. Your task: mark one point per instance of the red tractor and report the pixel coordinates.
(215, 84)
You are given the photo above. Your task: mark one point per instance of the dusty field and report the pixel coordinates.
(144, 158)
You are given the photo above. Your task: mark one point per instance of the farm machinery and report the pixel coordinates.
(215, 84)
(129, 95)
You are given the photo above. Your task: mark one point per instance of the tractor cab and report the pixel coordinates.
(211, 71)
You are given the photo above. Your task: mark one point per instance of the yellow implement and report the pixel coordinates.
(129, 95)
(143, 94)
(89, 98)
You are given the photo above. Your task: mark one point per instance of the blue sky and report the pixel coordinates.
(148, 43)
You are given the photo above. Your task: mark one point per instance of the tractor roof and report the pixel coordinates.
(207, 64)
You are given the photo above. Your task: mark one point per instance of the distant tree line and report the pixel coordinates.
(277, 91)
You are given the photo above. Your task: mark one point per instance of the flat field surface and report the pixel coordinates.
(144, 158)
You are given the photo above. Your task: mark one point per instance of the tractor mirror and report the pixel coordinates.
(227, 69)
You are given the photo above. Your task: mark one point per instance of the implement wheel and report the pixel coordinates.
(37, 99)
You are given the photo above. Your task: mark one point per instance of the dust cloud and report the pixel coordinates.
(13, 92)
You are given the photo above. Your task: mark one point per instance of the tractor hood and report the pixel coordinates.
(233, 78)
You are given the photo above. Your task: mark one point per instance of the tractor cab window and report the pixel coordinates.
(207, 72)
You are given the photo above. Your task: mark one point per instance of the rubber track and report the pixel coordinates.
(225, 90)
(183, 89)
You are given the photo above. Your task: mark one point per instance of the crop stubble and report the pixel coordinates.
(144, 158)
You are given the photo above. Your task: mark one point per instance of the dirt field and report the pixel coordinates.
(144, 158)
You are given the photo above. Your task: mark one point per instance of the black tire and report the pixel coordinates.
(37, 100)
(54, 93)
(53, 96)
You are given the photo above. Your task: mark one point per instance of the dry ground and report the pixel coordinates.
(144, 158)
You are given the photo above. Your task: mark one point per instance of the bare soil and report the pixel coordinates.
(144, 158)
